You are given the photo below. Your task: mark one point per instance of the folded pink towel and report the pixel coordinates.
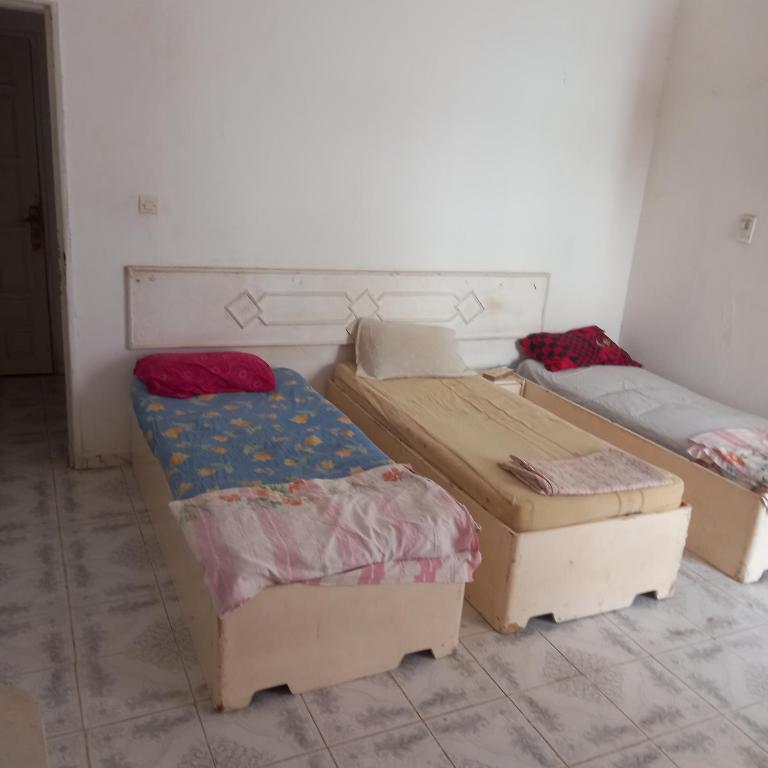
(601, 472)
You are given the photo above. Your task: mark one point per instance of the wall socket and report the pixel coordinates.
(747, 224)
(148, 205)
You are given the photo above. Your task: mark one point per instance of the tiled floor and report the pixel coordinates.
(88, 621)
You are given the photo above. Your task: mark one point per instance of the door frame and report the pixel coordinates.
(44, 38)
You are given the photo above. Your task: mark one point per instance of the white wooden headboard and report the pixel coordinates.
(302, 319)
(178, 307)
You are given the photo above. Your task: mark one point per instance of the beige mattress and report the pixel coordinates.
(465, 426)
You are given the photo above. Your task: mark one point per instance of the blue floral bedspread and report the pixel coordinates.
(232, 440)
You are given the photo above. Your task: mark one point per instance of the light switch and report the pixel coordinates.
(747, 224)
(148, 205)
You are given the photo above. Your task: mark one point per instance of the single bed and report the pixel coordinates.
(565, 556)
(301, 635)
(654, 418)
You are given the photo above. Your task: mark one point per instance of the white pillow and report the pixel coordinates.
(404, 350)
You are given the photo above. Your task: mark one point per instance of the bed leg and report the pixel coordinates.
(665, 592)
(441, 651)
(232, 700)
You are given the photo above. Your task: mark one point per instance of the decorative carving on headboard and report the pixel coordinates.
(334, 308)
(191, 307)
(291, 308)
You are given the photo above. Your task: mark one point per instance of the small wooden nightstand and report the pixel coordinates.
(505, 378)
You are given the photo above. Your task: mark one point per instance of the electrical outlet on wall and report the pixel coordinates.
(148, 205)
(747, 224)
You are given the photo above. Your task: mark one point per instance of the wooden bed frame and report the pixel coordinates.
(569, 572)
(729, 526)
(304, 319)
(303, 636)
(306, 636)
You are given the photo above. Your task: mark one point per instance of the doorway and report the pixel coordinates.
(31, 332)
(33, 351)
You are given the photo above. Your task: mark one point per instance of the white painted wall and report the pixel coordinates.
(417, 134)
(697, 310)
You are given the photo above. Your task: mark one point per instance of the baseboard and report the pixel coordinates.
(101, 460)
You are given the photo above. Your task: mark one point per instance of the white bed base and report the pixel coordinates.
(304, 319)
(569, 572)
(302, 636)
(729, 525)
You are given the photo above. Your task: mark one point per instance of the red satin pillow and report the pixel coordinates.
(204, 373)
(578, 348)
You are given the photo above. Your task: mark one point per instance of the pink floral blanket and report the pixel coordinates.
(383, 526)
(739, 454)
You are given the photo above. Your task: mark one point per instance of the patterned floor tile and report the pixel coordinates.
(165, 581)
(315, 760)
(718, 675)
(276, 726)
(132, 625)
(102, 484)
(94, 497)
(359, 708)
(655, 625)
(695, 566)
(172, 739)
(437, 686)
(58, 449)
(26, 497)
(31, 592)
(56, 692)
(119, 541)
(714, 744)
(191, 665)
(87, 514)
(170, 598)
(117, 687)
(14, 526)
(577, 720)
(29, 450)
(134, 492)
(754, 722)
(22, 421)
(642, 756)
(56, 425)
(106, 580)
(152, 544)
(141, 512)
(591, 644)
(692, 569)
(519, 661)
(655, 700)
(31, 643)
(472, 623)
(751, 645)
(55, 416)
(135, 669)
(31, 547)
(67, 751)
(405, 747)
(489, 734)
(754, 595)
(709, 609)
